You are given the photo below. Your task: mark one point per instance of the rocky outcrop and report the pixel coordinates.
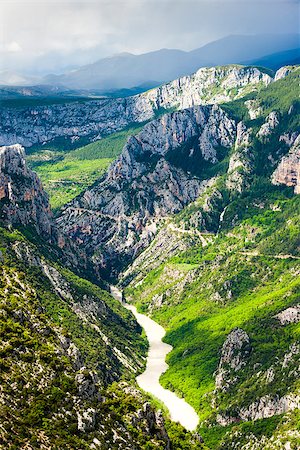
(153, 421)
(283, 72)
(88, 121)
(241, 161)
(254, 109)
(269, 406)
(289, 315)
(288, 170)
(235, 352)
(286, 367)
(271, 122)
(22, 198)
(86, 420)
(209, 85)
(118, 217)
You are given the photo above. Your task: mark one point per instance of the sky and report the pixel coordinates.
(53, 36)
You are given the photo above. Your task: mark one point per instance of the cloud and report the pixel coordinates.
(13, 47)
(53, 35)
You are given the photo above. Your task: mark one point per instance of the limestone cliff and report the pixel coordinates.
(22, 198)
(91, 120)
(288, 170)
(118, 217)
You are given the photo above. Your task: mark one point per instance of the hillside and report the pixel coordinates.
(197, 219)
(231, 310)
(220, 266)
(69, 351)
(222, 276)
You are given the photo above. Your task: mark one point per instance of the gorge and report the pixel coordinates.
(156, 365)
(194, 219)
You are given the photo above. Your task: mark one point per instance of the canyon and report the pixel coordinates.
(197, 222)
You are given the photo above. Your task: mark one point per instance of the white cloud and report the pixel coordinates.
(50, 35)
(13, 47)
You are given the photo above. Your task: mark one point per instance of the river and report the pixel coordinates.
(180, 411)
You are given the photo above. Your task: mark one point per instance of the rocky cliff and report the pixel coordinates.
(288, 170)
(91, 120)
(119, 215)
(166, 167)
(211, 85)
(22, 198)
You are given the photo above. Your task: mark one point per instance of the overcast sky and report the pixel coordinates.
(50, 36)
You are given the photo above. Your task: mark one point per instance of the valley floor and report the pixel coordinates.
(180, 411)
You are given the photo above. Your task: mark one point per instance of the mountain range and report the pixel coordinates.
(127, 73)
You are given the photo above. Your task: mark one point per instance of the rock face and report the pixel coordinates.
(23, 202)
(289, 315)
(207, 85)
(283, 72)
(93, 119)
(88, 120)
(22, 198)
(235, 352)
(115, 219)
(241, 160)
(272, 121)
(262, 408)
(288, 170)
(268, 407)
(153, 422)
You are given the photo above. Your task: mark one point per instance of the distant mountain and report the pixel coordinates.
(235, 49)
(127, 74)
(128, 71)
(279, 59)
(8, 78)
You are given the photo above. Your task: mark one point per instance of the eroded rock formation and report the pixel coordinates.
(288, 170)
(118, 217)
(22, 198)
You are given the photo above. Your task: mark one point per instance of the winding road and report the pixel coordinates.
(180, 410)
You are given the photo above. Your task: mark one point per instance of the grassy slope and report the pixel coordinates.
(65, 174)
(44, 378)
(60, 308)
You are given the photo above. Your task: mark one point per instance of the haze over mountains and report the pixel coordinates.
(140, 72)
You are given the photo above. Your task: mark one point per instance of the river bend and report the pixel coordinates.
(180, 410)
